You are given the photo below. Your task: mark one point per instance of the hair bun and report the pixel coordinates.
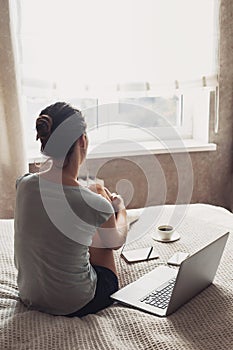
(43, 127)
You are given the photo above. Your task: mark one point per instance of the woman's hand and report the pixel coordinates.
(99, 189)
(116, 200)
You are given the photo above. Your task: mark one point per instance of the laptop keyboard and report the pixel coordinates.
(160, 298)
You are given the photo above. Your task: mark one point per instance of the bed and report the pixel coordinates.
(206, 322)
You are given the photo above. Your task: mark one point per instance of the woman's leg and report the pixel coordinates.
(102, 257)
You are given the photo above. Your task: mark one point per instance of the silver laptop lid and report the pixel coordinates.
(196, 273)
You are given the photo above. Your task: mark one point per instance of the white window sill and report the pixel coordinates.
(122, 149)
(119, 149)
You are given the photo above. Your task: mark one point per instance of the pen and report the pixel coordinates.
(149, 253)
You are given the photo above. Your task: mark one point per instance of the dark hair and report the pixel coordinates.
(49, 120)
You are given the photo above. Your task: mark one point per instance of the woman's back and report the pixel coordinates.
(55, 274)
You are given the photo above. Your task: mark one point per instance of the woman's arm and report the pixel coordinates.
(111, 234)
(114, 231)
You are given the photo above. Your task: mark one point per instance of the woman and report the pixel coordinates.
(65, 234)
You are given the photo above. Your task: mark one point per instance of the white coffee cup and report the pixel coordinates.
(165, 232)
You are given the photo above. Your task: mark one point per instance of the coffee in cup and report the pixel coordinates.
(165, 232)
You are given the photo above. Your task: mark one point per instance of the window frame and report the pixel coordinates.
(199, 140)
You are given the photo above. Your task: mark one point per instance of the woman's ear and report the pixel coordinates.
(83, 141)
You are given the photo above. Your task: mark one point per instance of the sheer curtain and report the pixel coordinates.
(110, 42)
(12, 150)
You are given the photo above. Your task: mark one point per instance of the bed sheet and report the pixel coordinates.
(206, 322)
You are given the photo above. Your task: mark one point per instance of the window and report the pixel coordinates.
(136, 68)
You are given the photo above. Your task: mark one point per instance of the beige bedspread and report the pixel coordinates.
(206, 322)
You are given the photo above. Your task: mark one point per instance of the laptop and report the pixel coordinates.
(163, 290)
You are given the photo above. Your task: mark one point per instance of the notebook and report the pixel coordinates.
(141, 254)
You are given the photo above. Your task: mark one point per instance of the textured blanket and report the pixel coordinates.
(206, 322)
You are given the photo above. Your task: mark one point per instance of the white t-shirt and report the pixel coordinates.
(54, 226)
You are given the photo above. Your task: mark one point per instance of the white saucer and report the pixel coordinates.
(174, 237)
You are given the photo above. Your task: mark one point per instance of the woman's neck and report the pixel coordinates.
(68, 175)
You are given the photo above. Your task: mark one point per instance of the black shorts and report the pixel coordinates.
(107, 284)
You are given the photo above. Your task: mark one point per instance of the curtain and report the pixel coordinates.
(104, 42)
(12, 149)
